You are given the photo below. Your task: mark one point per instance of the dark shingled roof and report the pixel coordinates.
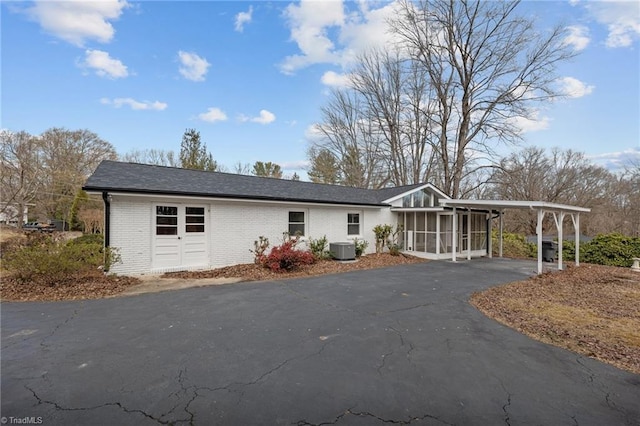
(114, 176)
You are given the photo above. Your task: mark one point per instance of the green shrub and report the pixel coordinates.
(569, 250)
(45, 260)
(11, 244)
(260, 246)
(89, 239)
(610, 249)
(286, 257)
(605, 249)
(513, 245)
(319, 248)
(394, 249)
(382, 235)
(392, 241)
(360, 245)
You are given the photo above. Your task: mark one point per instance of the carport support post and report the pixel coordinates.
(501, 226)
(539, 234)
(575, 218)
(489, 222)
(469, 234)
(454, 235)
(559, 224)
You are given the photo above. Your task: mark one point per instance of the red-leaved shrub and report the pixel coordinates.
(286, 257)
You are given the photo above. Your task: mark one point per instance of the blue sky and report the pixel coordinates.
(251, 77)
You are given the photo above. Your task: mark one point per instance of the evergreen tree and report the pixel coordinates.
(193, 153)
(267, 169)
(324, 167)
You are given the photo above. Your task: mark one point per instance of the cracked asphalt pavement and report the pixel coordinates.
(399, 345)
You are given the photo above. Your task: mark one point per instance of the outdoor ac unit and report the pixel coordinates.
(343, 251)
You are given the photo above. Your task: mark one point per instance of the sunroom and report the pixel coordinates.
(432, 231)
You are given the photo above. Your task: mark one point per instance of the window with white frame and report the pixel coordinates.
(166, 220)
(194, 218)
(353, 223)
(296, 223)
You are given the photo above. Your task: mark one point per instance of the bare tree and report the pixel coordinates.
(352, 139)
(395, 93)
(156, 157)
(68, 158)
(49, 170)
(564, 177)
(627, 198)
(487, 67)
(242, 168)
(91, 219)
(20, 172)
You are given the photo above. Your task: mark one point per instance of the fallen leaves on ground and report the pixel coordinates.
(96, 285)
(253, 272)
(89, 285)
(591, 309)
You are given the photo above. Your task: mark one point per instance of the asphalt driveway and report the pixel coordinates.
(397, 345)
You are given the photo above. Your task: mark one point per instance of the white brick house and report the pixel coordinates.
(166, 219)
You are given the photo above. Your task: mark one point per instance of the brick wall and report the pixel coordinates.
(232, 228)
(131, 222)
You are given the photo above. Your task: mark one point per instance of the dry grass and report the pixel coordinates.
(592, 310)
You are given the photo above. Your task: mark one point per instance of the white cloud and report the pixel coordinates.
(212, 115)
(578, 37)
(243, 18)
(295, 165)
(265, 117)
(104, 65)
(313, 133)
(336, 32)
(77, 21)
(333, 79)
(368, 28)
(533, 124)
(574, 88)
(615, 161)
(622, 19)
(309, 22)
(135, 105)
(193, 67)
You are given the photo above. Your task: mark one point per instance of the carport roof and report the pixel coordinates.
(540, 207)
(512, 204)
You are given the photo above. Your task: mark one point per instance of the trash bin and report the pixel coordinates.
(549, 251)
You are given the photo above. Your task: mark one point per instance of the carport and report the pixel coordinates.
(559, 211)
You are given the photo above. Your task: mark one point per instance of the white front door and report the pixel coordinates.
(180, 238)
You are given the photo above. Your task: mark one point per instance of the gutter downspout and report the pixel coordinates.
(107, 217)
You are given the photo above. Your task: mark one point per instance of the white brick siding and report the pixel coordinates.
(130, 233)
(232, 227)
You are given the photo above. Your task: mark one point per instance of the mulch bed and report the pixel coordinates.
(253, 272)
(96, 285)
(91, 285)
(592, 310)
